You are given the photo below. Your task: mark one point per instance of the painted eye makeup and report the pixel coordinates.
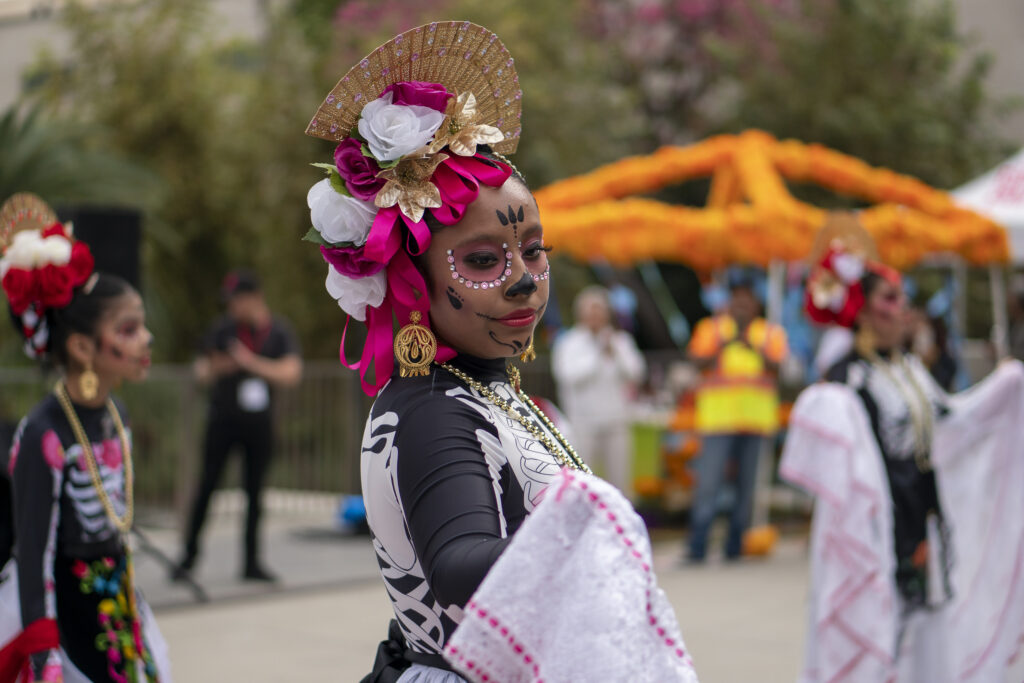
(480, 268)
(535, 256)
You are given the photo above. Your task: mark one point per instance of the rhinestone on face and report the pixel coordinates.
(468, 283)
(461, 280)
(508, 271)
(483, 285)
(476, 286)
(455, 275)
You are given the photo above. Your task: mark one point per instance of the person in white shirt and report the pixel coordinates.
(597, 368)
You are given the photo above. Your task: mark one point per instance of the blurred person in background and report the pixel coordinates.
(598, 368)
(918, 525)
(244, 357)
(739, 354)
(69, 609)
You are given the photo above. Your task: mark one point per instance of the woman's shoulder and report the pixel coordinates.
(434, 399)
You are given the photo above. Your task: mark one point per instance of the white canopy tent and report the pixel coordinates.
(999, 194)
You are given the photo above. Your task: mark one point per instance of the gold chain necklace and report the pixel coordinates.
(122, 524)
(566, 455)
(918, 405)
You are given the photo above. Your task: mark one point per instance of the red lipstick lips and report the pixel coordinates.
(520, 318)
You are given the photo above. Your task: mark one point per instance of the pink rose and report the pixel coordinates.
(420, 93)
(53, 452)
(351, 262)
(79, 569)
(109, 454)
(358, 172)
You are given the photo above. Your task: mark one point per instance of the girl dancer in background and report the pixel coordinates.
(71, 580)
(917, 543)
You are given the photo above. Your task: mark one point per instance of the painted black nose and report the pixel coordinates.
(526, 286)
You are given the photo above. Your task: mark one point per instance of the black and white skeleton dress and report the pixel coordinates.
(917, 541)
(447, 478)
(68, 575)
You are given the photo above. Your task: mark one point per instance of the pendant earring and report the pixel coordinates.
(415, 348)
(864, 342)
(88, 384)
(528, 355)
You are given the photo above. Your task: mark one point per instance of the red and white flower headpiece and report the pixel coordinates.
(842, 254)
(408, 119)
(40, 265)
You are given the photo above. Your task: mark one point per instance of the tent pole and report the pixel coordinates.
(1000, 322)
(766, 460)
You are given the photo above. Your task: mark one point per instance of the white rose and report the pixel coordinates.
(29, 250)
(355, 295)
(393, 130)
(848, 267)
(339, 218)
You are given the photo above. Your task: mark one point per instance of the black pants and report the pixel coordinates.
(254, 435)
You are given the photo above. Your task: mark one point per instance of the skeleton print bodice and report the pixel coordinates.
(903, 402)
(57, 511)
(447, 478)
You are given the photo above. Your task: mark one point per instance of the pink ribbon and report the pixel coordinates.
(458, 180)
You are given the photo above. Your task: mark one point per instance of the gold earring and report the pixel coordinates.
(864, 341)
(415, 348)
(528, 353)
(88, 383)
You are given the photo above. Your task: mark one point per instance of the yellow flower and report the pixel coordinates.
(107, 606)
(409, 186)
(460, 131)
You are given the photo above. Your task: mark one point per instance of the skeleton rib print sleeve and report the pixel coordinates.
(37, 472)
(447, 489)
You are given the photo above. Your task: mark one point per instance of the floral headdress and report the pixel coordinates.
(40, 266)
(842, 254)
(408, 120)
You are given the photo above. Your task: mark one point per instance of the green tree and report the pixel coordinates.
(889, 81)
(221, 124)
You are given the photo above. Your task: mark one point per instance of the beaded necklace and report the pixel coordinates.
(566, 456)
(122, 524)
(918, 404)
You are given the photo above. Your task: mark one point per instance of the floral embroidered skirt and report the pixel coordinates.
(100, 641)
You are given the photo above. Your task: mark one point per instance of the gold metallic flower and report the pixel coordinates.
(409, 186)
(460, 131)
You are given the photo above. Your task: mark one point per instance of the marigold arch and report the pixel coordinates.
(750, 216)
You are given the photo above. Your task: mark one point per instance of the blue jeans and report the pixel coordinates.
(716, 452)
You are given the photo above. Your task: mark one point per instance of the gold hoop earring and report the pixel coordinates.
(528, 355)
(415, 348)
(88, 384)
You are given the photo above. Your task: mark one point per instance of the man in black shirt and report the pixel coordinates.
(246, 354)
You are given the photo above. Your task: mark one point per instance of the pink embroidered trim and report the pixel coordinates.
(638, 556)
(473, 609)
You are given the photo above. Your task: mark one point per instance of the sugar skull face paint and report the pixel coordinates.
(482, 267)
(488, 277)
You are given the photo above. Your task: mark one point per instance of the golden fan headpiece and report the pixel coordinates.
(23, 211)
(461, 56)
(843, 228)
(421, 125)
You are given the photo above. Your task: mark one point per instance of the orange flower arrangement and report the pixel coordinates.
(750, 216)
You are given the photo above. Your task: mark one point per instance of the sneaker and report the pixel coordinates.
(181, 571)
(258, 573)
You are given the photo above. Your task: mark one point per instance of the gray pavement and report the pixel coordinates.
(742, 622)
